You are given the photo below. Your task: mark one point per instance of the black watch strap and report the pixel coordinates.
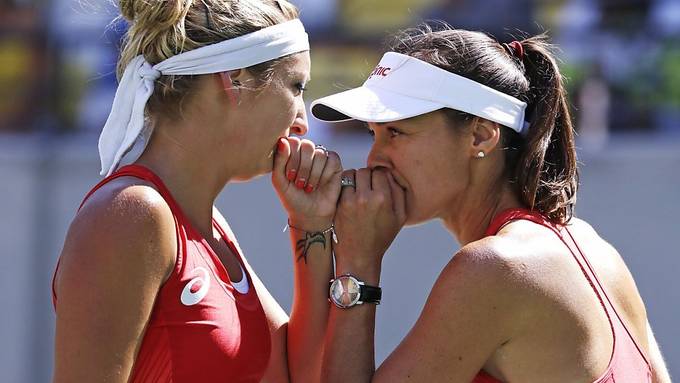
(370, 294)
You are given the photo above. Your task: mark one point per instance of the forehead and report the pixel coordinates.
(427, 119)
(298, 65)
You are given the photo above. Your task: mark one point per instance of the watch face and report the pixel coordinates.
(345, 291)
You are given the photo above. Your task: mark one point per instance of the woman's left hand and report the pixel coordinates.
(369, 216)
(307, 180)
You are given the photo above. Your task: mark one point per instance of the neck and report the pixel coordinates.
(189, 173)
(469, 221)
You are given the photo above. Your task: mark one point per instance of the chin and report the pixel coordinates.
(415, 222)
(414, 217)
(253, 173)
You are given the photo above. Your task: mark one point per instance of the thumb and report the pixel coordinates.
(281, 156)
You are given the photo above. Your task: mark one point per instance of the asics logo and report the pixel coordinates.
(197, 288)
(380, 71)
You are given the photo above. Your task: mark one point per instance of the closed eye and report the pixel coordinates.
(394, 132)
(301, 87)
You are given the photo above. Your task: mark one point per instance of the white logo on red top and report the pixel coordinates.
(197, 288)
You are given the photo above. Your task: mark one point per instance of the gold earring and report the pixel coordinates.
(480, 154)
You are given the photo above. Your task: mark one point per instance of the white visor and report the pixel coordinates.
(402, 86)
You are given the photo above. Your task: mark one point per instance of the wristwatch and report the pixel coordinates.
(347, 291)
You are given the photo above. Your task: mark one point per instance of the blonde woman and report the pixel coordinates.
(152, 285)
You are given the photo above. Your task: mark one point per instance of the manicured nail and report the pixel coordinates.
(280, 146)
(300, 183)
(291, 174)
(309, 189)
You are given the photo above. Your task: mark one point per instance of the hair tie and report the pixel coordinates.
(517, 50)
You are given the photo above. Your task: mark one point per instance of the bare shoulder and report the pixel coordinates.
(125, 224)
(497, 261)
(119, 250)
(490, 274)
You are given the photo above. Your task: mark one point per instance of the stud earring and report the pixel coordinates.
(480, 154)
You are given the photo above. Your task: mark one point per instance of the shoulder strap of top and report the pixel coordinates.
(601, 288)
(141, 172)
(510, 215)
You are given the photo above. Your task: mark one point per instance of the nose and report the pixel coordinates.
(300, 126)
(377, 157)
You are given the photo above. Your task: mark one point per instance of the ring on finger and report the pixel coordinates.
(347, 181)
(322, 148)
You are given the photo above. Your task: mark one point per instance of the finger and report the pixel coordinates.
(306, 160)
(398, 198)
(294, 159)
(318, 164)
(280, 160)
(362, 180)
(347, 191)
(379, 181)
(332, 172)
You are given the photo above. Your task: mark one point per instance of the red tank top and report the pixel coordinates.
(627, 362)
(201, 329)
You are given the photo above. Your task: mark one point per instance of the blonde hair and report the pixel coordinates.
(160, 29)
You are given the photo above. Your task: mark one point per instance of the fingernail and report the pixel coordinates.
(309, 189)
(300, 183)
(291, 174)
(280, 146)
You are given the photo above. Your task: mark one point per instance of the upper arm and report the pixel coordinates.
(119, 250)
(468, 315)
(659, 371)
(277, 319)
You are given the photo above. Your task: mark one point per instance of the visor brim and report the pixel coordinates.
(370, 105)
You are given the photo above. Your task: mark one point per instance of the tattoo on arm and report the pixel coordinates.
(303, 245)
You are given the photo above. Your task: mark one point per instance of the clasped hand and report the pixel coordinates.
(367, 216)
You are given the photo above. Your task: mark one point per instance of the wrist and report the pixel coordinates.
(369, 273)
(312, 224)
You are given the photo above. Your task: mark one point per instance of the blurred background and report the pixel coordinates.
(57, 81)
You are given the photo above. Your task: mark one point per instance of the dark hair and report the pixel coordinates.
(542, 163)
(161, 29)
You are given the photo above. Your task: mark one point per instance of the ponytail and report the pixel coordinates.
(546, 171)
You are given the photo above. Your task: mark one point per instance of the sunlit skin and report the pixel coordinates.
(436, 164)
(228, 120)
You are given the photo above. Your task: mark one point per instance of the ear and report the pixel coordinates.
(231, 84)
(485, 137)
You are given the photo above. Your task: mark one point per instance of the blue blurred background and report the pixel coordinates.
(57, 81)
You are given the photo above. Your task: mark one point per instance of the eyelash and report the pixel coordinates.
(300, 87)
(393, 132)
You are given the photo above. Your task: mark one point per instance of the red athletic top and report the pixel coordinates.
(201, 329)
(627, 363)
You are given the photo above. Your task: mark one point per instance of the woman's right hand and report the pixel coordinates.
(367, 220)
(307, 180)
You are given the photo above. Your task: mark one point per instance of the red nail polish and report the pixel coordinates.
(309, 189)
(280, 145)
(291, 174)
(300, 183)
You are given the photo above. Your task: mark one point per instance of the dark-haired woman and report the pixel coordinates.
(478, 135)
(152, 285)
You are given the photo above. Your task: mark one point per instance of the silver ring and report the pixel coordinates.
(322, 148)
(347, 181)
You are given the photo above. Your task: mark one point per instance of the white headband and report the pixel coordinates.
(402, 86)
(126, 120)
